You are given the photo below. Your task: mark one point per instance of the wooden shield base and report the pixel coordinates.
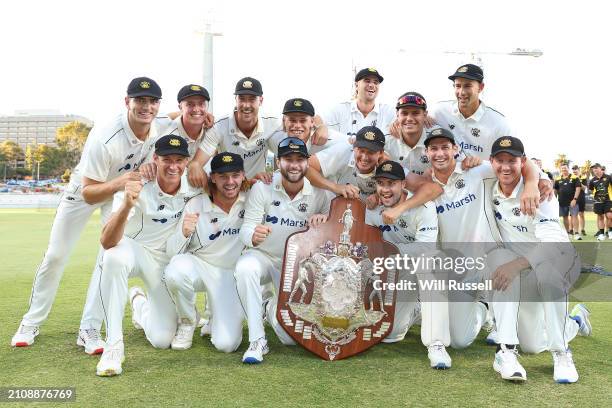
(301, 245)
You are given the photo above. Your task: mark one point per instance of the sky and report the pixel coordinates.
(78, 57)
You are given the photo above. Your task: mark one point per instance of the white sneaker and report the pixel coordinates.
(565, 371)
(111, 360)
(184, 337)
(25, 336)
(577, 237)
(136, 291)
(438, 357)
(205, 328)
(257, 349)
(506, 363)
(601, 237)
(583, 314)
(91, 340)
(492, 338)
(609, 234)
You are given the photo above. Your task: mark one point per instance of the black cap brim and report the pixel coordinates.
(429, 139)
(515, 153)
(389, 176)
(227, 168)
(411, 105)
(287, 153)
(296, 110)
(375, 147)
(194, 94)
(247, 92)
(466, 76)
(139, 94)
(168, 152)
(375, 75)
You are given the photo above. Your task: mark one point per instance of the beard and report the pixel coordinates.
(293, 178)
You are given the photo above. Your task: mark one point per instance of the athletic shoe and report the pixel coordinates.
(257, 349)
(581, 314)
(609, 234)
(111, 360)
(565, 371)
(438, 357)
(601, 237)
(25, 336)
(136, 291)
(492, 338)
(577, 237)
(506, 363)
(184, 337)
(205, 328)
(91, 340)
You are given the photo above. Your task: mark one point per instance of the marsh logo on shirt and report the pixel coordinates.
(227, 231)
(455, 204)
(475, 132)
(516, 211)
(498, 215)
(292, 223)
(384, 228)
(303, 207)
(460, 183)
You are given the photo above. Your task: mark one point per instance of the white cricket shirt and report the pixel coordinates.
(347, 119)
(413, 159)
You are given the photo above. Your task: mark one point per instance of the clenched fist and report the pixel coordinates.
(189, 224)
(132, 191)
(260, 234)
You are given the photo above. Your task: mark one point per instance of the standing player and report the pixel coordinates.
(601, 187)
(143, 219)
(348, 117)
(411, 233)
(273, 212)
(111, 158)
(584, 182)
(567, 187)
(207, 245)
(549, 266)
(474, 124)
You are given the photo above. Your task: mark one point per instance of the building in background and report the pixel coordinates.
(35, 126)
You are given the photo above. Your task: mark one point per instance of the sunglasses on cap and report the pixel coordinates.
(291, 140)
(414, 99)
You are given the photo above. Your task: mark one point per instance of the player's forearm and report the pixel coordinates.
(100, 192)
(114, 228)
(427, 191)
(531, 173)
(317, 180)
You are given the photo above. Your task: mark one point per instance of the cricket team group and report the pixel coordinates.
(187, 206)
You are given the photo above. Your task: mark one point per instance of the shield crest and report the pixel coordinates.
(331, 299)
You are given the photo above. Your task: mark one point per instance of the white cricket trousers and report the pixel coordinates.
(187, 274)
(253, 270)
(433, 314)
(157, 314)
(536, 307)
(70, 219)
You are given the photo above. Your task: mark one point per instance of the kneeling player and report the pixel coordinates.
(273, 212)
(546, 264)
(412, 230)
(208, 235)
(143, 219)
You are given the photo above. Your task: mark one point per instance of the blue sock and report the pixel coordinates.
(577, 319)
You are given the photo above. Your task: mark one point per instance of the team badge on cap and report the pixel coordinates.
(372, 70)
(297, 103)
(195, 88)
(387, 167)
(369, 136)
(436, 132)
(174, 142)
(247, 84)
(293, 146)
(145, 85)
(462, 69)
(227, 159)
(505, 143)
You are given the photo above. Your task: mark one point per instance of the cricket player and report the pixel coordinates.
(601, 187)
(144, 217)
(544, 264)
(348, 117)
(415, 234)
(474, 124)
(568, 187)
(273, 212)
(205, 248)
(111, 158)
(581, 203)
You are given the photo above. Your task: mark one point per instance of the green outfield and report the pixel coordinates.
(387, 375)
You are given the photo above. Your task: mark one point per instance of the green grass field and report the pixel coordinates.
(386, 375)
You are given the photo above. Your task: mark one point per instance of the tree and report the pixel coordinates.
(561, 159)
(11, 151)
(49, 158)
(70, 140)
(586, 168)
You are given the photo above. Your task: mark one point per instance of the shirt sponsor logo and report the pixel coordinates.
(469, 146)
(292, 223)
(227, 231)
(253, 152)
(455, 204)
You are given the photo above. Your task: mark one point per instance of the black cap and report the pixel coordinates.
(225, 162)
(171, 144)
(248, 86)
(291, 145)
(439, 132)
(413, 99)
(368, 72)
(371, 138)
(508, 144)
(299, 105)
(575, 167)
(391, 170)
(469, 71)
(597, 165)
(143, 86)
(192, 90)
